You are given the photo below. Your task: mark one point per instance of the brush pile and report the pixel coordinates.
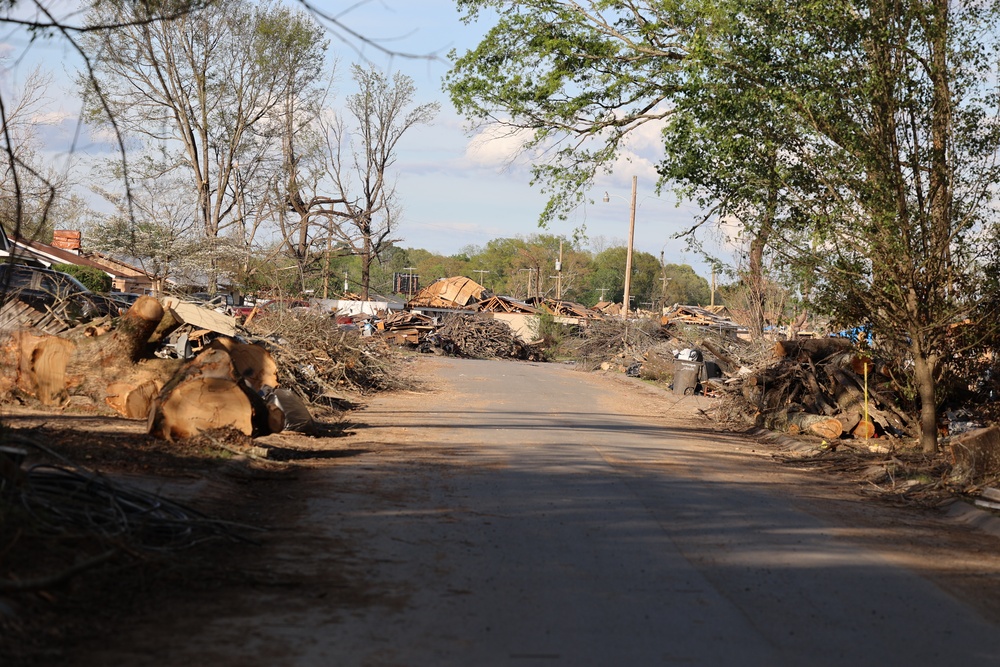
(481, 337)
(824, 387)
(322, 361)
(611, 339)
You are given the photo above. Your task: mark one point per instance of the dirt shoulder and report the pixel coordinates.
(260, 488)
(82, 559)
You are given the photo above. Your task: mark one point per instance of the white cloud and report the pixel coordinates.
(53, 117)
(497, 147)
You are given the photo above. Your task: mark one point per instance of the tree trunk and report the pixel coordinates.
(923, 374)
(366, 265)
(208, 392)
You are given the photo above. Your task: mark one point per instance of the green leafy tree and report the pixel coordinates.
(92, 278)
(680, 284)
(574, 78)
(894, 140)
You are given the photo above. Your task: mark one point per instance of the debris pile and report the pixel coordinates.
(255, 387)
(406, 328)
(322, 361)
(456, 292)
(824, 387)
(614, 341)
(705, 318)
(481, 337)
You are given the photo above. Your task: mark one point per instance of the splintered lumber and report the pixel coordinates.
(16, 315)
(203, 318)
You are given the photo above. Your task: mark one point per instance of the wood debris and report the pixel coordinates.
(456, 292)
(702, 317)
(481, 337)
(505, 304)
(228, 384)
(561, 308)
(406, 328)
(16, 315)
(817, 386)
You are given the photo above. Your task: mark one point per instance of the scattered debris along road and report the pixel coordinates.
(527, 509)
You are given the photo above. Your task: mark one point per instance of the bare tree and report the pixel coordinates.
(29, 189)
(381, 113)
(202, 87)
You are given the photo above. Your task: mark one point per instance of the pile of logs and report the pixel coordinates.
(819, 386)
(229, 384)
(481, 337)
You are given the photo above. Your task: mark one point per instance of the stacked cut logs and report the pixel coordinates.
(221, 387)
(818, 386)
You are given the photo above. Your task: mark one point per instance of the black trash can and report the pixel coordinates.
(686, 376)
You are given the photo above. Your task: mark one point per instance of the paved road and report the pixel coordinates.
(527, 514)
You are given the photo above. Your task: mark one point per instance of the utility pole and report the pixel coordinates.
(628, 257)
(559, 273)
(527, 294)
(713, 285)
(603, 291)
(481, 273)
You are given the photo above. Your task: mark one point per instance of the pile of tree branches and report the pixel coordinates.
(481, 337)
(823, 386)
(320, 360)
(613, 338)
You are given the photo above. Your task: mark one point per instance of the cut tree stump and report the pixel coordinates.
(201, 404)
(133, 402)
(81, 362)
(864, 429)
(253, 362)
(208, 393)
(825, 427)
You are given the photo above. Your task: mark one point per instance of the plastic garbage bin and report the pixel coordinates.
(686, 376)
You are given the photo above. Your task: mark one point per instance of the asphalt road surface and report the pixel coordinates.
(530, 514)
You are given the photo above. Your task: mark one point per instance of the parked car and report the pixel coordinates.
(44, 289)
(125, 299)
(272, 305)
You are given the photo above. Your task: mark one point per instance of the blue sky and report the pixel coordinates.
(456, 190)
